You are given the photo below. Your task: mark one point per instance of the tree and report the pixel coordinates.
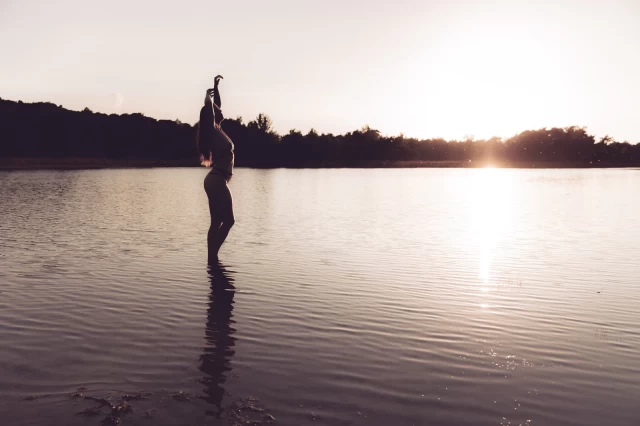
(262, 123)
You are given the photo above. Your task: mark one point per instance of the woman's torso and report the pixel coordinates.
(223, 153)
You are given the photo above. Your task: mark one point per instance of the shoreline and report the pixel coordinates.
(104, 163)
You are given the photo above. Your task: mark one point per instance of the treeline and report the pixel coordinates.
(44, 130)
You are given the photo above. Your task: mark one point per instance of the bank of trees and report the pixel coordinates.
(44, 130)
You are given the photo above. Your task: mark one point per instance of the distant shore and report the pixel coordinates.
(105, 163)
(85, 163)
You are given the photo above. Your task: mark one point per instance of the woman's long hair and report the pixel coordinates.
(204, 135)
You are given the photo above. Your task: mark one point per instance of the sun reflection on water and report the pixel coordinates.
(491, 217)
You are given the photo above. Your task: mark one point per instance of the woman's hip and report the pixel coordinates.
(215, 184)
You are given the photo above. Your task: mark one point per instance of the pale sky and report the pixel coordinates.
(430, 68)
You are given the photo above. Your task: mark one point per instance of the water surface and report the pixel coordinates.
(345, 297)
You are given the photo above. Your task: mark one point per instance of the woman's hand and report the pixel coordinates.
(208, 97)
(217, 79)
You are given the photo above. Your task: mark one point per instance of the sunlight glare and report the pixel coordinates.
(491, 216)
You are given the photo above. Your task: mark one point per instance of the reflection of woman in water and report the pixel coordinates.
(216, 150)
(216, 356)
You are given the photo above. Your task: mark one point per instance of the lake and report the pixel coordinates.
(344, 297)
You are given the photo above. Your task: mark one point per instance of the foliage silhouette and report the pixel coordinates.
(44, 130)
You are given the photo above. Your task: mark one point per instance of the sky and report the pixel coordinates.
(423, 68)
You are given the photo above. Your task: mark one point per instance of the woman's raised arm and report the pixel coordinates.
(216, 93)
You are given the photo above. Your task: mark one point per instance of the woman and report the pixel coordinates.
(216, 150)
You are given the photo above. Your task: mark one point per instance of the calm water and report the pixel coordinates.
(348, 297)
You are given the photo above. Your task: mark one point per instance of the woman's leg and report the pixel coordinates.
(225, 213)
(222, 218)
(214, 228)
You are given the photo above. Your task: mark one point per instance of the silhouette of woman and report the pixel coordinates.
(216, 356)
(216, 150)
